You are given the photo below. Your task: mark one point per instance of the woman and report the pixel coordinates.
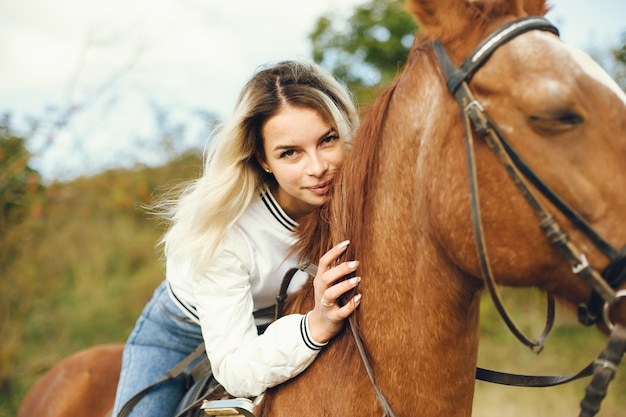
(230, 242)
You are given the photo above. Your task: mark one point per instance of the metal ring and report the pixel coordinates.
(326, 304)
(607, 306)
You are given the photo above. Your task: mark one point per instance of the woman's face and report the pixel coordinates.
(303, 152)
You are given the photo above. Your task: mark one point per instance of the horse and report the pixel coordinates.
(435, 218)
(81, 384)
(404, 201)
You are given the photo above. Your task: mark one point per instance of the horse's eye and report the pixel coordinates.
(555, 123)
(572, 119)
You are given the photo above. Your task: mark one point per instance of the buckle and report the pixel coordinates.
(235, 407)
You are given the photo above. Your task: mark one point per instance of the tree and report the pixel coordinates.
(17, 178)
(369, 51)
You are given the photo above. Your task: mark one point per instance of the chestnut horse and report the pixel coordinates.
(403, 199)
(404, 202)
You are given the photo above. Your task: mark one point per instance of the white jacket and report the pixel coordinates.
(245, 276)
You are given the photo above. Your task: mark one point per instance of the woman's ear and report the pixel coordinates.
(261, 160)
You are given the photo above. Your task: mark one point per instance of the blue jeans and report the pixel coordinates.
(163, 336)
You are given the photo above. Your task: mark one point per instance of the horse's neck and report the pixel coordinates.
(419, 313)
(419, 319)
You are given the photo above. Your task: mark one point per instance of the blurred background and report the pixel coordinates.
(105, 105)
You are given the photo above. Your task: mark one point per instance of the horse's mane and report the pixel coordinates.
(344, 214)
(342, 217)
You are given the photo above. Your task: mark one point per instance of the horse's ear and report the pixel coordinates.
(425, 12)
(429, 13)
(536, 7)
(438, 18)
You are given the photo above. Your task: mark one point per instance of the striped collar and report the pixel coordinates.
(276, 210)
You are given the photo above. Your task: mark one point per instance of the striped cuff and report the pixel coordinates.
(306, 334)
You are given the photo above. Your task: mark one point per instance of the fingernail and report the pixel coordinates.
(353, 264)
(343, 244)
(357, 299)
(355, 280)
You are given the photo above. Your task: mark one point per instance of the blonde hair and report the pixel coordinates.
(209, 205)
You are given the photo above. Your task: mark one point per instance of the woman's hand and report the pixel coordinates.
(326, 319)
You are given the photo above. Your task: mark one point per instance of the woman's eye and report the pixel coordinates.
(330, 138)
(288, 153)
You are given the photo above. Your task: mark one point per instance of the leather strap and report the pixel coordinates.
(533, 381)
(487, 47)
(605, 368)
(307, 267)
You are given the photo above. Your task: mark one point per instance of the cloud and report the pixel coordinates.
(112, 62)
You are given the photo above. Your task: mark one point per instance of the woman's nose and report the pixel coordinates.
(317, 165)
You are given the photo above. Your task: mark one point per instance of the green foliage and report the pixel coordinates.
(619, 55)
(369, 51)
(19, 183)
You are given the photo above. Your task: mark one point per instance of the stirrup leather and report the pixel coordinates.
(235, 407)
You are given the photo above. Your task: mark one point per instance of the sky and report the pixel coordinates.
(95, 74)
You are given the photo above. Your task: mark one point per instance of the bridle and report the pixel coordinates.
(604, 293)
(476, 120)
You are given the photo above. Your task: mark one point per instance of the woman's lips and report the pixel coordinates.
(321, 189)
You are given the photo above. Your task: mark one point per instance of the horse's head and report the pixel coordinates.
(562, 114)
